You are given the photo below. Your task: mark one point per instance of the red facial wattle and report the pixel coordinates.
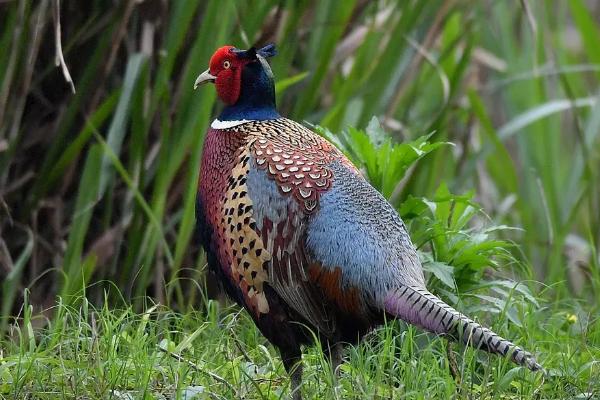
(227, 69)
(228, 85)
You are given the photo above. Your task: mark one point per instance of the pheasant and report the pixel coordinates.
(299, 238)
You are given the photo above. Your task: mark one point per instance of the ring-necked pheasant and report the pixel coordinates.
(298, 237)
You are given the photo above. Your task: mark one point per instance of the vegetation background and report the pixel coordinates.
(480, 121)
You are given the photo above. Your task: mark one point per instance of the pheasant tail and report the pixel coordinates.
(419, 307)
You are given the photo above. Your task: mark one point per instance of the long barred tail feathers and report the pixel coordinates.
(419, 307)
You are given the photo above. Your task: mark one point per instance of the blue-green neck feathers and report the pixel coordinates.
(257, 95)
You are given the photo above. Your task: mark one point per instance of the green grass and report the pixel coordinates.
(113, 353)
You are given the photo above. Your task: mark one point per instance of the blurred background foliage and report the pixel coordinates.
(97, 187)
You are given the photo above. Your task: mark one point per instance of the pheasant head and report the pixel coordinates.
(244, 82)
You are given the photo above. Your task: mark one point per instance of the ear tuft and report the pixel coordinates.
(268, 51)
(251, 54)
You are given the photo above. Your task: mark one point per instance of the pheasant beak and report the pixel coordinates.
(204, 77)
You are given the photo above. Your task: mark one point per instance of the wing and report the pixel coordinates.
(287, 176)
(281, 224)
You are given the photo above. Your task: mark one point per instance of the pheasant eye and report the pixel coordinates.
(226, 64)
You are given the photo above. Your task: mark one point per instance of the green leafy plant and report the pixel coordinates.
(384, 161)
(464, 252)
